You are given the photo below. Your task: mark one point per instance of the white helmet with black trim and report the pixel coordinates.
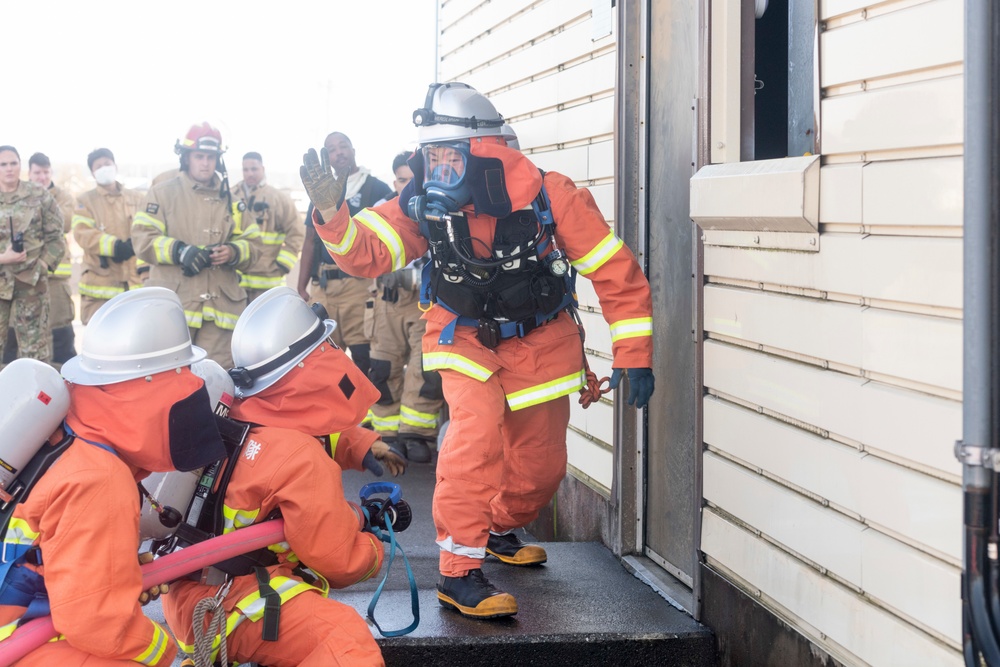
(135, 334)
(276, 331)
(456, 111)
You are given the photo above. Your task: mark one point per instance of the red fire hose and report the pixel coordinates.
(35, 633)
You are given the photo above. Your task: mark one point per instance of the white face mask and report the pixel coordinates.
(106, 175)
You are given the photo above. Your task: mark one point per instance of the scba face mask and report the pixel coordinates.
(446, 181)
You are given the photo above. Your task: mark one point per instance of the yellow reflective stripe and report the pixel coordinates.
(8, 630)
(436, 361)
(601, 253)
(20, 533)
(252, 605)
(232, 622)
(234, 519)
(287, 259)
(260, 282)
(411, 417)
(283, 548)
(334, 439)
(546, 392)
(272, 238)
(82, 220)
(139, 262)
(143, 219)
(64, 270)
(163, 248)
(242, 250)
(633, 328)
(222, 319)
(193, 318)
(385, 233)
(345, 243)
(99, 291)
(157, 647)
(107, 245)
(385, 423)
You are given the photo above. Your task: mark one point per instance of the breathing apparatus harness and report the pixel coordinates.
(527, 281)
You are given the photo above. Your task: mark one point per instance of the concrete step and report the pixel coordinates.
(580, 608)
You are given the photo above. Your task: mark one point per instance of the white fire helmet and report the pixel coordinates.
(455, 111)
(510, 136)
(34, 401)
(275, 332)
(137, 333)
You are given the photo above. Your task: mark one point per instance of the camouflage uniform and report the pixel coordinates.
(32, 211)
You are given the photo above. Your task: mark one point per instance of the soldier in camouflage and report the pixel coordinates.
(31, 240)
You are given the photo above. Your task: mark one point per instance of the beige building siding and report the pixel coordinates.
(833, 378)
(549, 67)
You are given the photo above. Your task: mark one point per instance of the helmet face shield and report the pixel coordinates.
(445, 168)
(445, 164)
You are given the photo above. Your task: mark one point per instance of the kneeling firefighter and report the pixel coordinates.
(293, 386)
(505, 242)
(71, 547)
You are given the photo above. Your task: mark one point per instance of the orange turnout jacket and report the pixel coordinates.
(84, 516)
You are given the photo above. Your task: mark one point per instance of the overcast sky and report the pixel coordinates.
(275, 75)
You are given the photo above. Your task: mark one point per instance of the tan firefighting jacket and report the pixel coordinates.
(66, 204)
(33, 211)
(281, 233)
(182, 210)
(103, 216)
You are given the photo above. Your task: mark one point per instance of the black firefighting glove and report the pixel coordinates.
(192, 258)
(324, 190)
(123, 250)
(640, 385)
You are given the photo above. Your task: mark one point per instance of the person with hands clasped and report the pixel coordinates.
(304, 398)
(32, 241)
(196, 237)
(505, 242)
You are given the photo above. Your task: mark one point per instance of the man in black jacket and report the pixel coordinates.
(344, 296)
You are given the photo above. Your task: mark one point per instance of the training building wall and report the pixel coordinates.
(832, 342)
(549, 67)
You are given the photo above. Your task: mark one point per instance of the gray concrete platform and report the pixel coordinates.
(580, 608)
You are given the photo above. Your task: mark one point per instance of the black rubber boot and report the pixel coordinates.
(511, 550)
(475, 597)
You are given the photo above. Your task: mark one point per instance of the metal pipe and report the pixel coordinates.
(979, 405)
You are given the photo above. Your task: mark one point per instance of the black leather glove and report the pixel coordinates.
(192, 258)
(123, 250)
(323, 189)
(640, 384)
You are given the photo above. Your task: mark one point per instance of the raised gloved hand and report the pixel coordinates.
(324, 190)
(382, 454)
(640, 383)
(192, 258)
(123, 250)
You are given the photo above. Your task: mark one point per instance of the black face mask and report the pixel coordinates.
(194, 436)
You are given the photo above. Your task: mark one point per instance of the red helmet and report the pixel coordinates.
(202, 137)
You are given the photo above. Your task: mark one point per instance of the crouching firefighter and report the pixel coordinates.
(292, 385)
(505, 241)
(71, 545)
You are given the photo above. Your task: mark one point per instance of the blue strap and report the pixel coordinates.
(390, 537)
(23, 587)
(107, 448)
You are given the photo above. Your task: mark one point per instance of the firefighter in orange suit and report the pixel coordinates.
(135, 407)
(500, 331)
(193, 233)
(296, 383)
